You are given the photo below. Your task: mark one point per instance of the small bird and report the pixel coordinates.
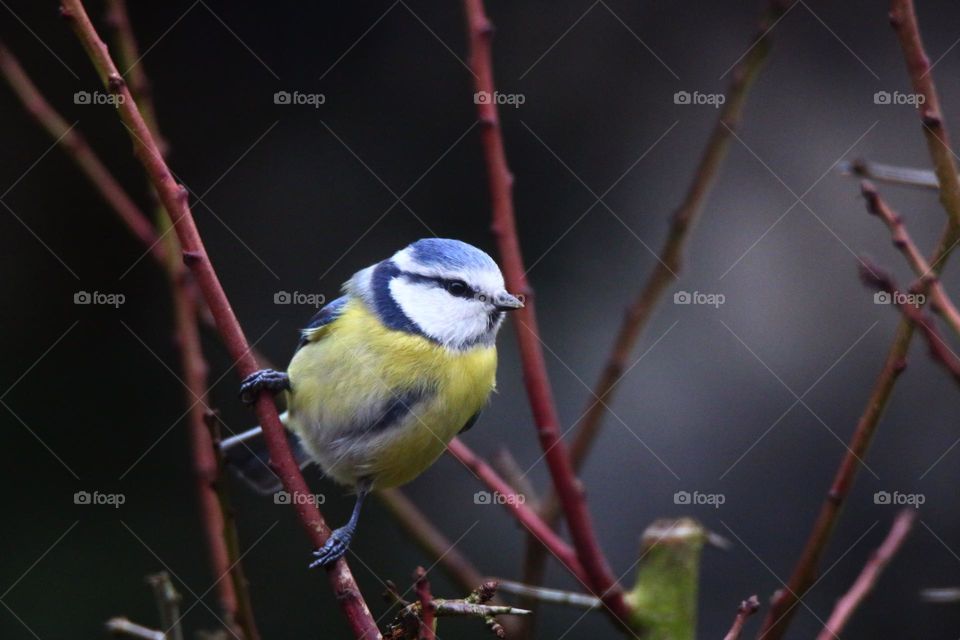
(386, 375)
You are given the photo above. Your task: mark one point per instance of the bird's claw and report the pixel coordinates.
(333, 549)
(263, 380)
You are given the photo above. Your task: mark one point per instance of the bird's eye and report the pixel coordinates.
(457, 287)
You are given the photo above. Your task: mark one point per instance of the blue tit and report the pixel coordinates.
(386, 375)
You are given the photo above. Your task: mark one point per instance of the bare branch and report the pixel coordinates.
(174, 199)
(553, 596)
(425, 534)
(123, 627)
(76, 145)
(595, 566)
(876, 278)
(746, 609)
(904, 243)
(867, 579)
(427, 610)
(784, 604)
(905, 176)
(168, 605)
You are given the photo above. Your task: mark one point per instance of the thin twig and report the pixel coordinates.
(411, 619)
(880, 280)
(746, 609)
(427, 611)
(516, 505)
(436, 545)
(215, 510)
(904, 243)
(124, 627)
(552, 596)
(175, 199)
(784, 604)
(941, 595)
(666, 269)
(868, 577)
(459, 608)
(231, 536)
(78, 150)
(168, 605)
(595, 566)
(516, 476)
(128, 55)
(904, 176)
(429, 538)
(903, 18)
(671, 253)
(76, 145)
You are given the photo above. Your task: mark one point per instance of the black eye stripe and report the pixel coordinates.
(454, 287)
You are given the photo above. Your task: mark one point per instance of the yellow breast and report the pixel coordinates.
(343, 378)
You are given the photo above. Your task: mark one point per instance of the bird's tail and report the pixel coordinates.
(247, 454)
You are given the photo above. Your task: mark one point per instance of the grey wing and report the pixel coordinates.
(327, 314)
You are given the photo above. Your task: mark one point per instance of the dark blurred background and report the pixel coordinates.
(297, 198)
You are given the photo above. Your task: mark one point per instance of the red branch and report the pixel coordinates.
(523, 513)
(878, 279)
(233, 600)
(867, 579)
(174, 198)
(746, 609)
(71, 140)
(427, 612)
(904, 21)
(904, 243)
(567, 486)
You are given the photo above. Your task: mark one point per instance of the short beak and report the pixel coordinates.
(506, 302)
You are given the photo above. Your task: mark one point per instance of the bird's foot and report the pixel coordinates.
(334, 548)
(263, 380)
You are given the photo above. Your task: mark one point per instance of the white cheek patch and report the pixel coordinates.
(448, 319)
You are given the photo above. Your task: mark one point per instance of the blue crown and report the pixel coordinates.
(450, 254)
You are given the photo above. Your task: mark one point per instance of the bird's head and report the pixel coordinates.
(445, 290)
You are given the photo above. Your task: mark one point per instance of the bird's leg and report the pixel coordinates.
(263, 380)
(339, 540)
